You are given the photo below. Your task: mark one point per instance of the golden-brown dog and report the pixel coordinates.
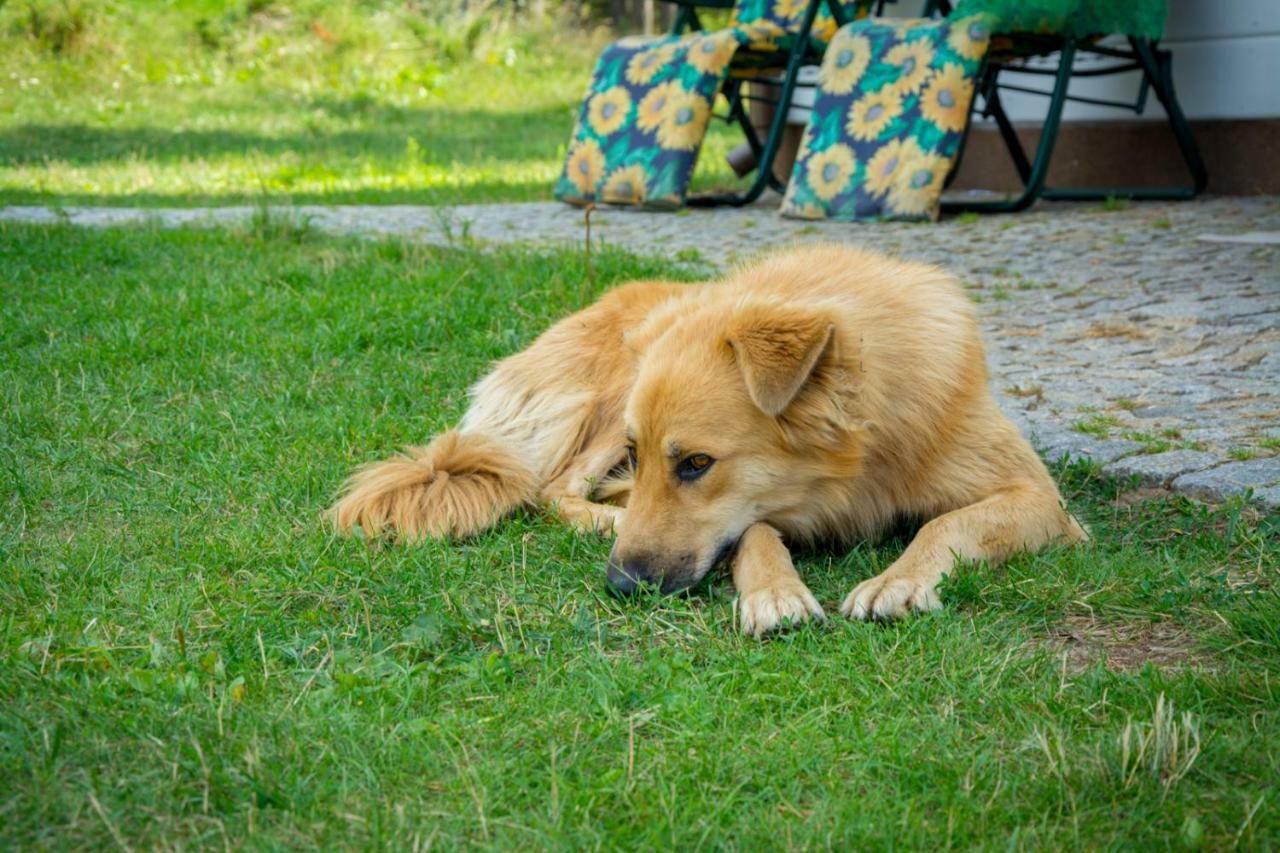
(817, 394)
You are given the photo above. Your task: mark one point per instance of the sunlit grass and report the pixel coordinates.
(189, 658)
(313, 102)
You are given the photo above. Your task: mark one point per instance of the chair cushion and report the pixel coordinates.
(776, 18)
(646, 110)
(643, 118)
(890, 111)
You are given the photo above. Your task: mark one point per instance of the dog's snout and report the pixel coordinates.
(626, 576)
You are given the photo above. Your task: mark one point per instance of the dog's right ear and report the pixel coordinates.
(777, 349)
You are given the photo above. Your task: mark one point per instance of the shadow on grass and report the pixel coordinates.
(486, 192)
(376, 132)
(330, 150)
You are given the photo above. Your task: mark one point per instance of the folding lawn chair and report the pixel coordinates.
(1024, 29)
(642, 123)
(775, 62)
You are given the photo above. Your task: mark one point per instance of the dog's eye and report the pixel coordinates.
(693, 467)
(631, 457)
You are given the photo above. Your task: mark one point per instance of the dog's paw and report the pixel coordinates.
(889, 596)
(600, 519)
(763, 610)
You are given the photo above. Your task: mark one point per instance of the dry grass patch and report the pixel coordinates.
(1083, 641)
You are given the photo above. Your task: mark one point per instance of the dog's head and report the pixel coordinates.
(728, 409)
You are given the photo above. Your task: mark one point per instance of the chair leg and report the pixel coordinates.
(1010, 136)
(1162, 62)
(1157, 65)
(1037, 171)
(773, 142)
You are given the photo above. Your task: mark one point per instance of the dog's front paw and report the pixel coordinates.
(763, 610)
(890, 596)
(599, 519)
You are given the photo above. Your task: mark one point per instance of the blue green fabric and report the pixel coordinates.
(641, 124)
(891, 108)
(1076, 18)
(645, 113)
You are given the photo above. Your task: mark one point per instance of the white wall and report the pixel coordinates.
(1226, 64)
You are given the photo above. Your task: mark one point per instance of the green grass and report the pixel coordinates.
(188, 657)
(196, 102)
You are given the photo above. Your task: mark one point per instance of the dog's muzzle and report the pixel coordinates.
(626, 577)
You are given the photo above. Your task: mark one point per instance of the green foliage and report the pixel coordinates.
(199, 102)
(189, 658)
(56, 26)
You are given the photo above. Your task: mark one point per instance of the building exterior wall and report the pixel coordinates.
(1226, 65)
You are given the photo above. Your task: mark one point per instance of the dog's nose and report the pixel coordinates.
(620, 581)
(625, 576)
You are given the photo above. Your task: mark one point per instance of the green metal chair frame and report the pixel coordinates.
(802, 50)
(1143, 55)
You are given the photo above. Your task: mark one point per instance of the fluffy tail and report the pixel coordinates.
(458, 485)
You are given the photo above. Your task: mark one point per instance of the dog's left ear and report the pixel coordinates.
(777, 349)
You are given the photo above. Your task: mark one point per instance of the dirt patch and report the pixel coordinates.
(1125, 646)
(1141, 495)
(1116, 330)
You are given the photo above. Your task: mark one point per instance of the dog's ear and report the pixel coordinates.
(777, 349)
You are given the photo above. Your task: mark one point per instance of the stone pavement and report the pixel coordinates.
(1146, 338)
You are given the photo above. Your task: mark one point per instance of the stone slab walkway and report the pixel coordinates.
(1146, 338)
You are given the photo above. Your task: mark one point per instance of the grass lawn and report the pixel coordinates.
(195, 102)
(188, 657)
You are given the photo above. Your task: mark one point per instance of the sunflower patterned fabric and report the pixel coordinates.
(892, 103)
(641, 124)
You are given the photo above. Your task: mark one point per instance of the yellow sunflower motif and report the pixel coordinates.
(762, 35)
(625, 185)
(586, 166)
(711, 53)
(945, 100)
(918, 184)
(870, 115)
(654, 105)
(806, 211)
(786, 10)
(646, 64)
(969, 36)
(847, 60)
(608, 110)
(829, 171)
(824, 29)
(882, 168)
(684, 121)
(913, 58)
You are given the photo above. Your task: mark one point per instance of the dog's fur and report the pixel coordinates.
(818, 394)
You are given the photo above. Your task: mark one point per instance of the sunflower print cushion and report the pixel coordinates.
(784, 17)
(646, 110)
(642, 121)
(892, 103)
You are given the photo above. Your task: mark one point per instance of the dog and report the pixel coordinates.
(819, 394)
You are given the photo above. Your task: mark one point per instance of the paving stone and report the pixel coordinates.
(1054, 443)
(1188, 328)
(1162, 468)
(1257, 474)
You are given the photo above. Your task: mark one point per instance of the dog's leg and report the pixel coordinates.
(769, 589)
(569, 495)
(1022, 516)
